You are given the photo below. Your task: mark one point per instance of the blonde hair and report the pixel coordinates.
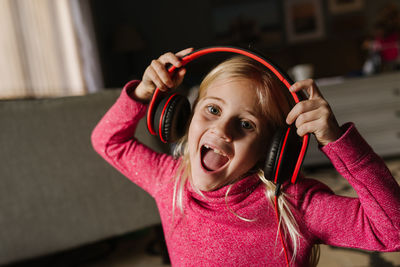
(274, 105)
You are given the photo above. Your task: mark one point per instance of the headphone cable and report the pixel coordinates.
(277, 192)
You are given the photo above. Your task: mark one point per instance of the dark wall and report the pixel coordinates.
(163, 26)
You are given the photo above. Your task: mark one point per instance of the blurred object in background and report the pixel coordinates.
(302, 72)
(47, 49)
(384, 46)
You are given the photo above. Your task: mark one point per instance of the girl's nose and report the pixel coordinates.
(223, 128)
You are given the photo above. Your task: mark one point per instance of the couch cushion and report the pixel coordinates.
(55, 191)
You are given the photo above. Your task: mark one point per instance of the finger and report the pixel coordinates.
(155, 79)
(323, 132)
(308, 85)
(308, 117)
(184, 52)
(315, 92)
(301, 85)
(162, 73)
(302, 107)
(170, 58)
(309, 127)
(148, 76)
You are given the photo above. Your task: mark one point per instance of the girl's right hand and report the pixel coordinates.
(156, 75)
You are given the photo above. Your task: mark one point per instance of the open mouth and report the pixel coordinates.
(212, 159)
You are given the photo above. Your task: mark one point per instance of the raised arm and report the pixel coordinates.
(113, 137)
(371, 221)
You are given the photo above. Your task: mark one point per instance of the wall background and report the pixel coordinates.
(131, 33)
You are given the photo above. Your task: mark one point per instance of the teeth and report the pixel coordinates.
(215, 150)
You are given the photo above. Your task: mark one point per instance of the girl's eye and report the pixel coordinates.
(246, 125)
(213, 110)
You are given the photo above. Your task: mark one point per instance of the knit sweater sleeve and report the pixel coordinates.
(371, 221)
(113, 138)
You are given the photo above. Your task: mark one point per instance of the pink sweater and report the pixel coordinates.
(209, 234)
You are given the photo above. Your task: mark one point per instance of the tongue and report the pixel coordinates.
(213, 161)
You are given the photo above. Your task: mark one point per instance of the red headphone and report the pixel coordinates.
(168, 116)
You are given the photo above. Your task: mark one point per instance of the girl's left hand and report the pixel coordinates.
(314, 115)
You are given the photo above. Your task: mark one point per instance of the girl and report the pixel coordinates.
(215, 204)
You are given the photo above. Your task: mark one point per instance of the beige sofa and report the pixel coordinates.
(56, 193)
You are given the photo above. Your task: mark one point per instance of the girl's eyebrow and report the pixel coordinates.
(215, 98)
(252, 113)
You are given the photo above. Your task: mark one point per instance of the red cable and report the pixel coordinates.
(280, 232)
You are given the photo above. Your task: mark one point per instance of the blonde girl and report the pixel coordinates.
(215, 203)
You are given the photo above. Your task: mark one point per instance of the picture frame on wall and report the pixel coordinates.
(246, 23)
(304, 20)
(344, 6)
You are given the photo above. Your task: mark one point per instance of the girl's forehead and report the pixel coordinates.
(232, 79)
(231, 85)
(236, 88)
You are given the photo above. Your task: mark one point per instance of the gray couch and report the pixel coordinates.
(56, 193)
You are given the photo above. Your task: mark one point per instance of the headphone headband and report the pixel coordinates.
(285, 79)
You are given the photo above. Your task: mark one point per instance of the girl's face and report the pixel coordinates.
(226, 135)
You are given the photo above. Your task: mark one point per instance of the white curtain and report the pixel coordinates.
(47, 49)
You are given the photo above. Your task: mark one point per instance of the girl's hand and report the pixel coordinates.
(156, 75)
(314, 115)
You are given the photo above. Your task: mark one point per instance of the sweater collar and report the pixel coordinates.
(229, 194)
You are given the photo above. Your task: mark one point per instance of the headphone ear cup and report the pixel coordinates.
(283, 155)
(171, 118)
(273, 152)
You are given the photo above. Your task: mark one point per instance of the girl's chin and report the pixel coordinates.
(206, 182)
(209, 180)
(202, 184)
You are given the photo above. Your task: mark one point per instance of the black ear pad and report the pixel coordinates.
(282, 155)
(171, 117)
(272, 153)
